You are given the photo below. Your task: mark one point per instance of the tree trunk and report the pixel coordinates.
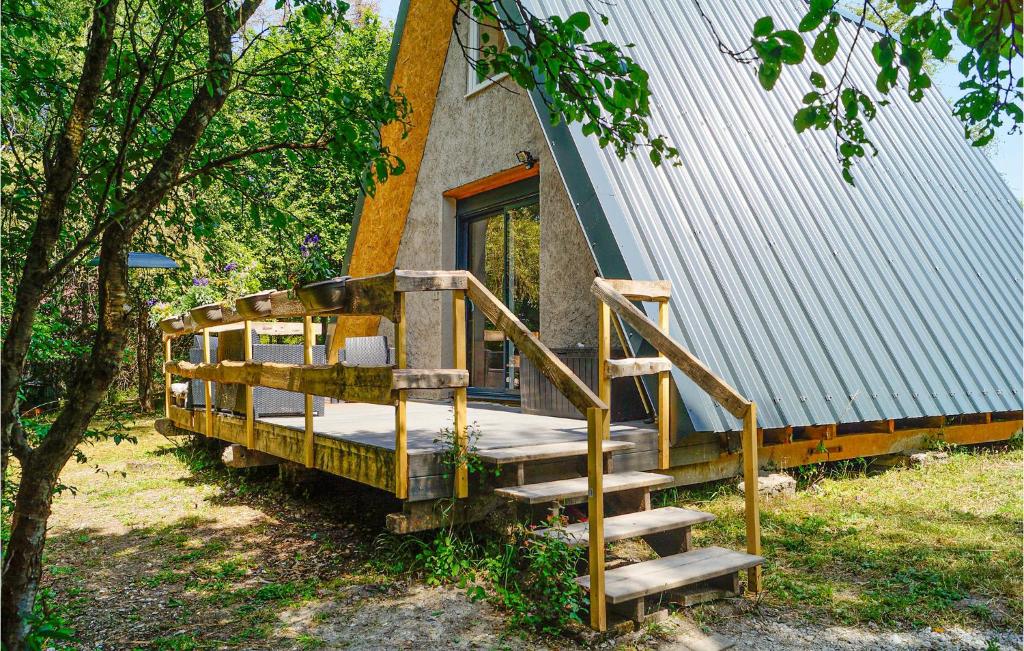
(23, 556)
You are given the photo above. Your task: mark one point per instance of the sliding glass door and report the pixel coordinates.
(499, 243)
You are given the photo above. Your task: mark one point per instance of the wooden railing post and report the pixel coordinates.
(604, 353)
(664, 458)
(597, 424)
(459, 396)
(307, 358)
(167, 378)
(401, 432)
(250, 408)
(207, 387)
(750, 486)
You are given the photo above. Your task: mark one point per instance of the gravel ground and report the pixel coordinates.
(768, 629)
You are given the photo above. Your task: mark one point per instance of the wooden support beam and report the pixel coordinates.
(250, 408)
(750, 482)
(604, 354)
(816, 432)
(636, 366)
(167, 377)
(597, 424)
(866, 426)
(307, 357)
(680, 357)
(459, 397)
(642, 290)
(401, 424)
(207, 389)
(664, 378)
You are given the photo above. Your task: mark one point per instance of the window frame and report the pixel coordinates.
(473, 86)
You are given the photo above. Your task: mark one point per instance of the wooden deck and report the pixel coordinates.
(366, 432)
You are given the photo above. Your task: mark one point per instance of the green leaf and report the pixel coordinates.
(793, 46)
(817, 80)
(763, 27)
(804, 118)
(768, 74)
(825, 46)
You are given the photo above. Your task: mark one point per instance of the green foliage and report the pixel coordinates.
(590, 82)
(47, 627)
(454, 454)
(915, 33)
(315, 265)
(533, 578)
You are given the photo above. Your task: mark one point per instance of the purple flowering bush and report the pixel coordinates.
(314, 263)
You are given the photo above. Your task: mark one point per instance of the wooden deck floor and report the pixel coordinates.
(499, 426)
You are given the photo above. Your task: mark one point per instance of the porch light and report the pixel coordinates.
(526, 159)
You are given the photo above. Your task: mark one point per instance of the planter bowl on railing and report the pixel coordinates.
(174, 325)
(323, 295)
(207, 315)
(255, 306)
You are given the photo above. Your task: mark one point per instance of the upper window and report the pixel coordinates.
(481, 36)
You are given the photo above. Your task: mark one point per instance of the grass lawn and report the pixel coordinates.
(936, 545)
(166, 549)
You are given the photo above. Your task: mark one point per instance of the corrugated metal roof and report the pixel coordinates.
(825, 303)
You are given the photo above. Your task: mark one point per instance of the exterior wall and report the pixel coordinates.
(471, 138)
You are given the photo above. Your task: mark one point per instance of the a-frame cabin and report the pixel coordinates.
(860, 320)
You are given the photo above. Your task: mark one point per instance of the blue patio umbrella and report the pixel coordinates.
(138, 260)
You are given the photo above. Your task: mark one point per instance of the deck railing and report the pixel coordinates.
(618, 296)
(382, 295)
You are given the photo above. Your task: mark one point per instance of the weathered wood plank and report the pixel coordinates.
(351, 383)
(554, 369)
(692, 367)
(651, 577)
(642, 290)
(373, 384)
(430, 378)
(634, 366)
(407, 280)
(521, 454)
(555, 491)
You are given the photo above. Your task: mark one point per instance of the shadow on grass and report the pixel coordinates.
(199, 583)
(268, 489)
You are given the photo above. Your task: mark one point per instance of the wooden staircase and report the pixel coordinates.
(683, 574)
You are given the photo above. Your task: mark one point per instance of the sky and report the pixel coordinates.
(1006, 155)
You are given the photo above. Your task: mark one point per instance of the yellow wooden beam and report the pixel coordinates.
(250, 408)
(750, 485)
(401, 425)
(167, 378)
(604, 353)
(207, 389)
(597, 424)
(459, 397)
(663, 396)
(307, 358)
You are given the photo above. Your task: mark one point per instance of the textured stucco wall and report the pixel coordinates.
(471, 138)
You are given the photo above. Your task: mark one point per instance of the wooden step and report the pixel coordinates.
(564, 489)
(524, 453)
(633, 366)
(630, 525)
(651, 577)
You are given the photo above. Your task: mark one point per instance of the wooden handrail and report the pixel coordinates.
(366, 296)
(553, 368)
(373, 384)
(683, 359)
